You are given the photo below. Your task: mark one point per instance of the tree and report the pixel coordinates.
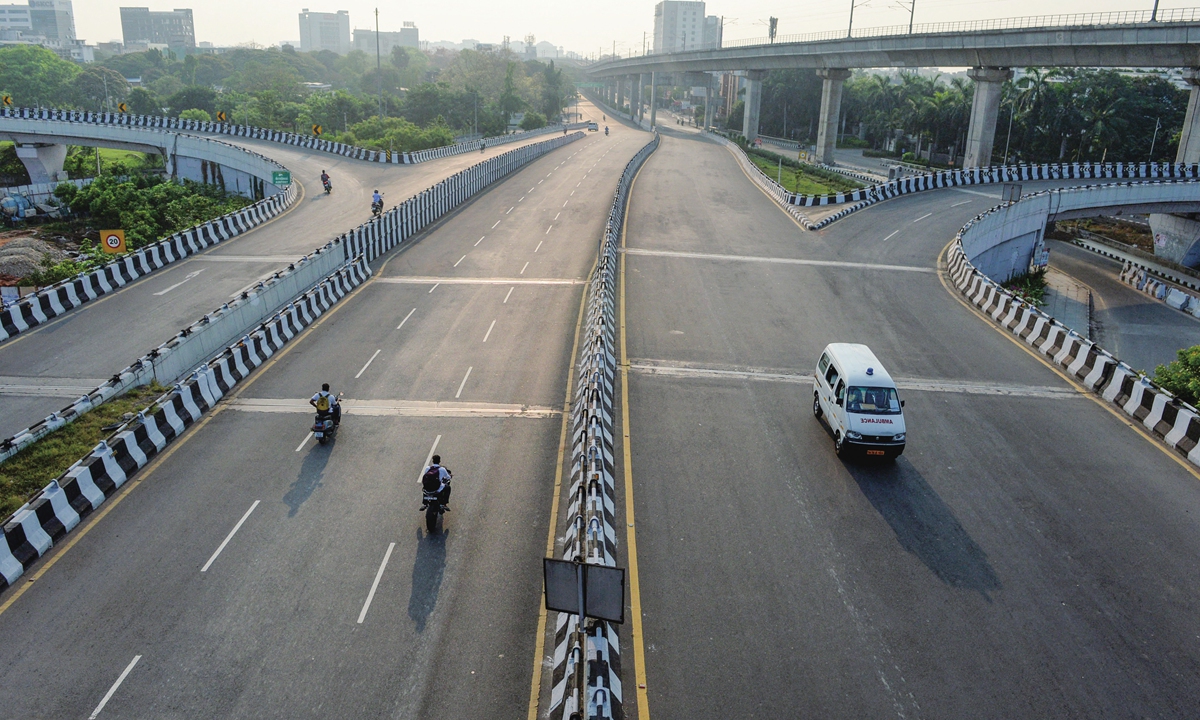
(99, 88)
(195, 114)
(1182, 377)
(142, 102)
(193, 97)
(510, 101)
(33, 75)
(533, 120)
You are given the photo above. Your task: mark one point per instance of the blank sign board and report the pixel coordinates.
(602, 588)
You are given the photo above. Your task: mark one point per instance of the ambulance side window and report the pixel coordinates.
(823, 365)
(831, 376)
(840, 393)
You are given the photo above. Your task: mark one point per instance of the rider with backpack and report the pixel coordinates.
(436, 479)
(325, 401)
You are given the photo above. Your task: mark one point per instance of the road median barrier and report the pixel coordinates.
(855, 200)
(586, 680)
(1004, 239)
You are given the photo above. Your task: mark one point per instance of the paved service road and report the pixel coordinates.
(1028, 556)
(330, 600)
(1131, 325)
(106, 335)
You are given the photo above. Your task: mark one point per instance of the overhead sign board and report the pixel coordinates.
(598, 588)
(281, 178)
(596, 85)
(112, 241)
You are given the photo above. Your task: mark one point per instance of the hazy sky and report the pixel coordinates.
(580, 26)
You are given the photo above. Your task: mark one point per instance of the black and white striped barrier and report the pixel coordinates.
(1174, 422)
(309, 142)
(856, 200)
(586, 681)
(52, 301)
(31, 531)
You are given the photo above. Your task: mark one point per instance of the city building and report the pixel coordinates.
(16, 18)
(714, 31)
(407, 37)
(53, 20)
(325, 31)
(174, 28)
(678, 26)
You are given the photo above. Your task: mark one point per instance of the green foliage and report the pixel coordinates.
(197, 97)
(148, 207)
(33, 75)
(143, 102)
(799, 177)
(36, 465)
(1030, 287)
(81, 162)
(1182, 377)
(91, 257)
(195, 114)
(12, 170)
(398, 134)
(734, 120)
(533, 121)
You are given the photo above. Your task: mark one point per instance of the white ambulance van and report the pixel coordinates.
(857, 397)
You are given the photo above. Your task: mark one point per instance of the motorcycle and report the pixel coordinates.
(377, 208)
(324, 428)
(328, 186)
(433, 509)
(605, 131)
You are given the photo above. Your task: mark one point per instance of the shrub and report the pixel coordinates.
(533, 121)
(1182, 377)
(195, 114)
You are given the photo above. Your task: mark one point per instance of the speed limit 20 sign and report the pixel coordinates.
(112, 241)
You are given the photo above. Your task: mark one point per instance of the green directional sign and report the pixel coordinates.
(280, 178)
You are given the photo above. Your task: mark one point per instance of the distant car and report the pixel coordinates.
(593, 126)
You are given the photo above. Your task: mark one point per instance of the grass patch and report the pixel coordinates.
(1030, 287)
(802, 179)
(29, 470)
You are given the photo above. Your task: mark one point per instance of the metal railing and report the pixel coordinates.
(1094, 19)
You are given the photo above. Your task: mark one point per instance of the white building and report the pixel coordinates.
(16, 17)
(53, 19)
(325, 31)
(678, 26)
(407, 37)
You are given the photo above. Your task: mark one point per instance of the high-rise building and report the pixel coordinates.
(407, 37)
(53, 19)
(325, 31)
(713, 31)
(16, 18)
(172, 28)
(678, 26)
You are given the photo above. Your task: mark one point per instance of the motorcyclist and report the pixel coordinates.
(324, 179)
(606, 130)
(436, 479)
(325, 401)
(376, 200)
(482, 145)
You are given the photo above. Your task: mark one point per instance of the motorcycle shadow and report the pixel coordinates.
(428, 570)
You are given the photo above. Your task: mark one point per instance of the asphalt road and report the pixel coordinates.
(106, 335)
(1131, 325)
(1030, 555)
(462, 343)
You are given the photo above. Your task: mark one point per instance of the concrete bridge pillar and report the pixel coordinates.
(984, 110)
(641, 97)
(653, 98)
(621, 93)
(710, 104)
(832, 80)
(44, 163)
(753, 103)
(1177, 237)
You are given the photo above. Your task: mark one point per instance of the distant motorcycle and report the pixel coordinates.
(377, 208)
(328, 186)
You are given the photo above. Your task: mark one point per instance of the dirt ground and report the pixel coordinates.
(21, 253)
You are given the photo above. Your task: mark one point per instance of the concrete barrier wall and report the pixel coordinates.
(586, 679)
(1174, 422)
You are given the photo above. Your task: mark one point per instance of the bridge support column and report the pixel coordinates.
(621, 93)
(710, 104)
(984, 110)
(753, 103)
(832, 80)
(641, 97)
(1177, 237)
(44, 163)
(653, 98)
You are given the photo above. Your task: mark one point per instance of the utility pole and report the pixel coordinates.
(849, 30)
(378, 64)
(1154, 139)
(1154, 12)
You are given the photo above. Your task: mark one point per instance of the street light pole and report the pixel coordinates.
(1154, 12)
(378, 65)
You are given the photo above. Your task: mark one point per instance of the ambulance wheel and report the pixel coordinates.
(816, 406)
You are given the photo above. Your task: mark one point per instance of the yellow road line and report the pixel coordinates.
(535, 685)
(635, 588)
(1116, 412)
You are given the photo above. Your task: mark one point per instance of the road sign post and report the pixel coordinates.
(281, 178)
(112, 241)
(221, 116)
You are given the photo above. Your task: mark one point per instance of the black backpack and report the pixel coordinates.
(431, 481)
